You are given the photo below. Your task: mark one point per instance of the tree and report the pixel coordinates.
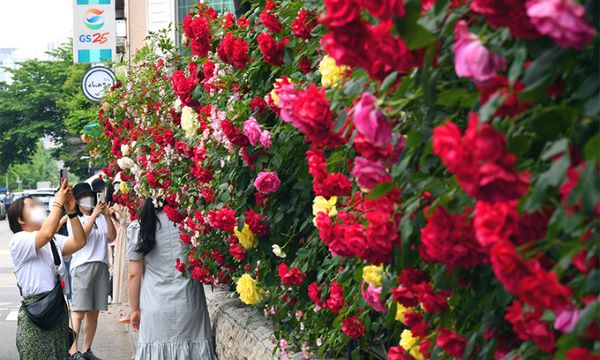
(41, 167)
(45, 99)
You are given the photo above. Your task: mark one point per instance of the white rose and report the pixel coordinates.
(125, 149)
(189, 122)
(278, 251)
(125, 163)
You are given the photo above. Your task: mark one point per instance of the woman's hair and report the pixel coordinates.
(110, 191)
(148, 223)
(15, 212)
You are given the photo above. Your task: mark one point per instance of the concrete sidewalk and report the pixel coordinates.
(112, 340)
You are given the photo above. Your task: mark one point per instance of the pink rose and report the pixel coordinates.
(562, 20)
(566, 320)
(267, 182)
(252, 131)
(371, 123)
(369, 173)
(371, 296)
(265, 139)
(472, 59)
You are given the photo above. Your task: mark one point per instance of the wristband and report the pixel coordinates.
(72, 216)
(60, 206)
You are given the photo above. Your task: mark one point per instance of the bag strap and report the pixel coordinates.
(56, 263)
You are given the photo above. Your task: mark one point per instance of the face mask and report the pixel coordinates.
(38, 215)
(87, 203)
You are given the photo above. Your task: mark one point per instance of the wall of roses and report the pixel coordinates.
(410, 179)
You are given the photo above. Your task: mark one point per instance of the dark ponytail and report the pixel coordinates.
(148, 223)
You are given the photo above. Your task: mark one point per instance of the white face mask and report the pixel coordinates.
(38, 215)
(87, 203)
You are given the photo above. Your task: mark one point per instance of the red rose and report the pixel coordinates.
(173, 215)
(314, 293)
(184, 87)
(581, 354)
(223, 219)
(382, 236)
(386, 53)
(347, 44)
(341, 12)
(303, 24)
(528, 326)
(507, 13)
(257, 223)
(234, 51)
(452, 343)
(237, 252)
(336, 297)
(432, 301)
(511, 106)
(258, 105)
(289, 276)
(416, 323)
(398, 353)
(305, 65)
(270, 21)
(352, 327)
(234, 134)
(271, 49)
(202, 275)
(494, 222)
(384, 9)
(450, 239)
(181, 267)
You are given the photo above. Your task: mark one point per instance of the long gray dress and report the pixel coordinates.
(174, 321)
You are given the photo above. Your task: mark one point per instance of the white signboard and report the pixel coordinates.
(96, 82)
(94, 33)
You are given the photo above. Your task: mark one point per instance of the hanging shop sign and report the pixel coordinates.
(96, 82)
(94, 31)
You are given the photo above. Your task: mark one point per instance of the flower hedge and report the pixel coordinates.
(402, 178)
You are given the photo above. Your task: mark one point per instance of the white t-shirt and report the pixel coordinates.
(95, 248)
(35, 269)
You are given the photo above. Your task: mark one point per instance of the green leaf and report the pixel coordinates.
(518, 64)
(388, 82)
(557, 147)
(456, 97)
(380, 190)
(591, 150)
(552, 122)
(589, 314)
(488, 110)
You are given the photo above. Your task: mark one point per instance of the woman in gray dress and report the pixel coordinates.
(168, 310)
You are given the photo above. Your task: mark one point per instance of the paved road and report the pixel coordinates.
(112, 340)
(9, 298)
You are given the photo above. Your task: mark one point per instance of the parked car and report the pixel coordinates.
(2, 211)
(44, 197)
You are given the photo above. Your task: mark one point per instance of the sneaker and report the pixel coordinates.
(77, 356)
(89, 355)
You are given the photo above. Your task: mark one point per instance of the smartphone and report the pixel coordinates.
(63, 174)
(101, 196)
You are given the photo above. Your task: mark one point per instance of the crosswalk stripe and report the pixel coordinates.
(12, 316)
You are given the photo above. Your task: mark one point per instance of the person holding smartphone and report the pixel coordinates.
(89, 269)
(31, 249)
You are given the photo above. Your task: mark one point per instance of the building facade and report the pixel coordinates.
(145, 16)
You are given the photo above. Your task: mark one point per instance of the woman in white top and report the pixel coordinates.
(32, 258)
(89, 269)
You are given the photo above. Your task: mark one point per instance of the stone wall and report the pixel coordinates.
(240, 332)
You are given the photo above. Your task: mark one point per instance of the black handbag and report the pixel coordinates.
(47, 311)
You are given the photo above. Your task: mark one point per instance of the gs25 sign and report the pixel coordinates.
(97, 38)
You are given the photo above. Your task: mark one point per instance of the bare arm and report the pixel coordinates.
(112, 231)
(48, 229)
(89, 225)
(77, 241)
(135, 269)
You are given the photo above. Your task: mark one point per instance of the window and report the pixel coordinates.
(221, 6)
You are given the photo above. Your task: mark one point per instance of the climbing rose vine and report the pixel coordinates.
(410, 179)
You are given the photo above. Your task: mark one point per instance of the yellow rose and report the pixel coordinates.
(400, 310)
(322, 204)
(124, 188)
(275, 97)
(410, 344)
(372, 274)
(330, 72)
(189, 121)
(249, 293)
(246, 237)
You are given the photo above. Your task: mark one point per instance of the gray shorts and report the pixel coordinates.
(89, 286)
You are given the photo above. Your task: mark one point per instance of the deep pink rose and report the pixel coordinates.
(371, 123)
(267, 182)
(252, 131)
(562, 20)
(265, 138)
(369, 173)
(371, 296)
(566, 320)
(472, 59)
